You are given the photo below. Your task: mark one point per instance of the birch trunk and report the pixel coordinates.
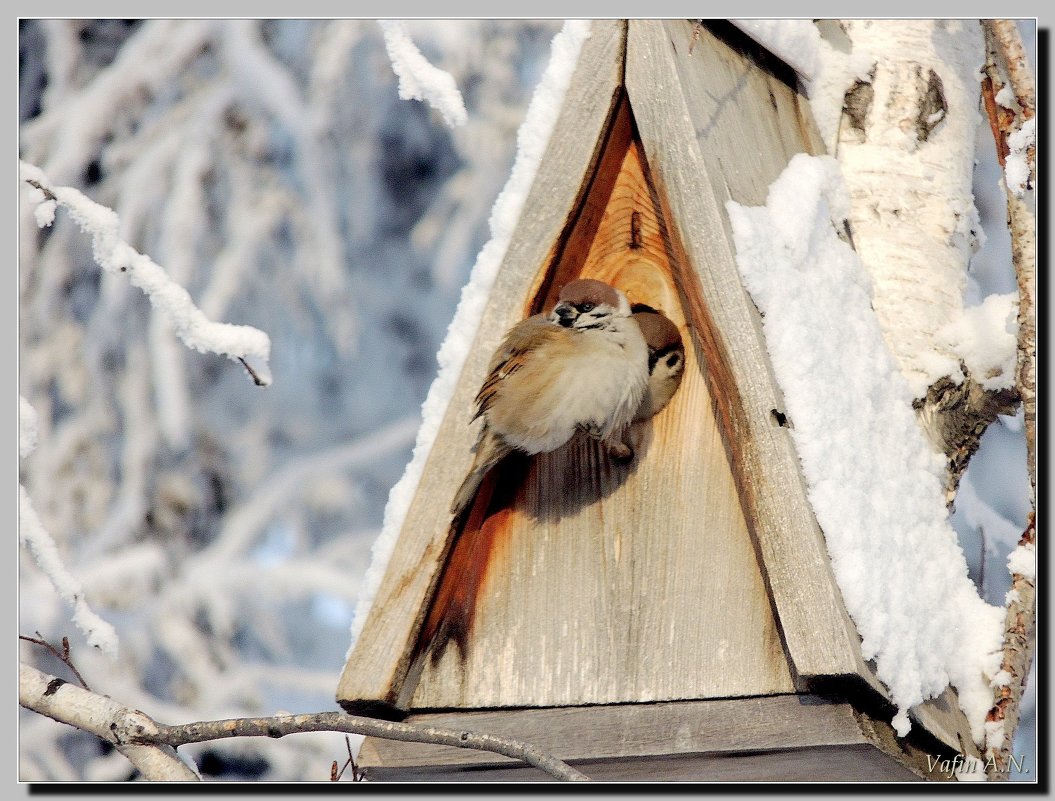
(906, 145)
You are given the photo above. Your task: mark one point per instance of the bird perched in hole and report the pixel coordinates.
(666, 359)
(582, 367)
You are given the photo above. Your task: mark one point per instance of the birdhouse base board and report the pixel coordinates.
(795, 737)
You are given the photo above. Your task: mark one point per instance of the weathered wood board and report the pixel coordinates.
(377, 667)
(660, 593)
(781, 737)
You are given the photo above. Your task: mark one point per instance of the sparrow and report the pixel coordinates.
(582, 367)
(666, 359)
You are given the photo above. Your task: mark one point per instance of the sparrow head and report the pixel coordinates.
(666, 358)
(586, 303)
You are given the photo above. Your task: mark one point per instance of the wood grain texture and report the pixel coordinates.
(856, 763)
(377, 666)
(707, 145)
(686, 154)
(784, 737)
(607, 583)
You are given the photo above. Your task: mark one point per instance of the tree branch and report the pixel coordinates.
(63, 655)
(1005, 33)
(98, 715)
(281, 725)
(1003, 44)
(1019, 638)
(149, 745)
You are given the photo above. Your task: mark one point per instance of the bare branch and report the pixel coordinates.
(149, 745)
(281, 725)
(63, 655)
(357, 775)
(98, 715)
(253, 374)
(48, 194)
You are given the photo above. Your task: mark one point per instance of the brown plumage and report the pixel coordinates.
(666, 359)
(582, 367)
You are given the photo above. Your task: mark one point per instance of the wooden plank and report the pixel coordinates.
(858, 763)
(660, 592)
(635, 730)
(786, 738)
(819, 636)
(374, 675)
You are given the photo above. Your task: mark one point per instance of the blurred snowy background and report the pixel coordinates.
(273, 170)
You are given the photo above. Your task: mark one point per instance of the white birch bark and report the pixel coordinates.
(906, 144)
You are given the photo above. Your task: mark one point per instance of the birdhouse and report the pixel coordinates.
(675, 616)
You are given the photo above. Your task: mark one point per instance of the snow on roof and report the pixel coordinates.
(873, 480)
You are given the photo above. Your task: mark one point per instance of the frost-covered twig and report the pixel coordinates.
(33, 535)
(237, 342)
(420, 80)
(102, 717)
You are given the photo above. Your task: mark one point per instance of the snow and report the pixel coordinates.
(1006, 97)
(1001, 679)
(1023, 561)
(985, 338)
(1016, 166)
(972, 769)
(796, 41)
(168, 297)
(27, 428)
(33, 535)
(420, 80)
(532, 138)
(826, 72)
(873, 480)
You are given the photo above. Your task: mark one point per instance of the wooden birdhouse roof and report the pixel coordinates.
(698, 571)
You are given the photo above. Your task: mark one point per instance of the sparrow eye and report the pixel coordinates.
(586, 307)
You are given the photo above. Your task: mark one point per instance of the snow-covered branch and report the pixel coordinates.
(420, 80)
(1004, 48)
(33, 535)
(242, 343)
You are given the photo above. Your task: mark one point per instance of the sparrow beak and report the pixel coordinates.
(565, 314)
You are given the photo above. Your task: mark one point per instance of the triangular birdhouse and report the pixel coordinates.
(682, 604)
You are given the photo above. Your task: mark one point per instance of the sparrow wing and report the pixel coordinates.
(510, 356)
